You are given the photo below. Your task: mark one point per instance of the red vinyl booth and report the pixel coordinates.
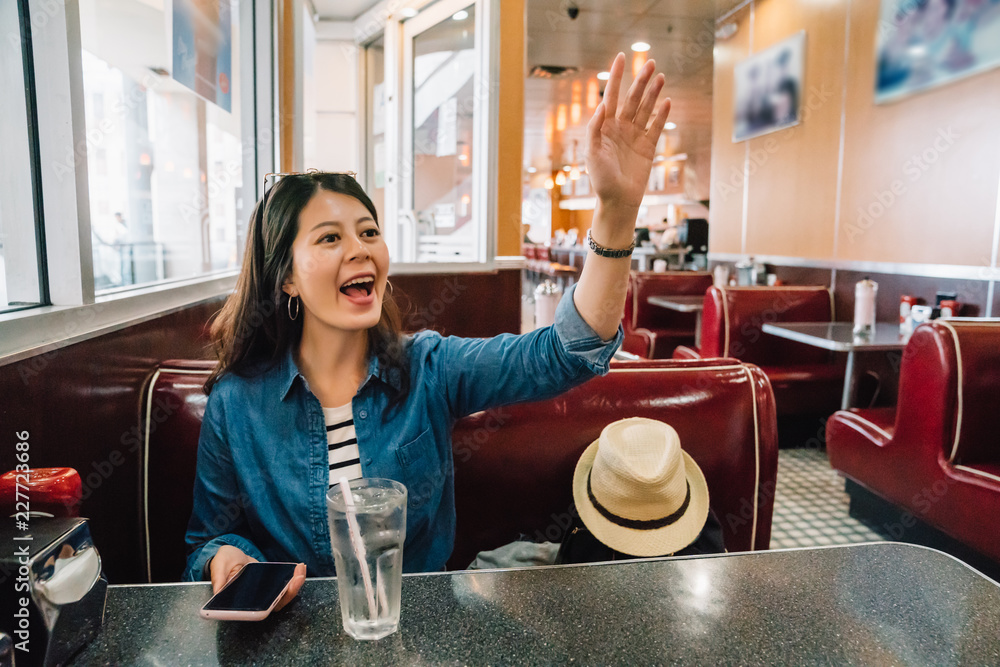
(653, 332)
(806, 380)
(937, 454)
(514, 465)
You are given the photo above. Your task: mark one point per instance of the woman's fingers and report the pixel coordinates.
(594, 126)
(293, 588)
(656, 127)
(635, 92)
(225, 564)
(614, 84)
(649, 102)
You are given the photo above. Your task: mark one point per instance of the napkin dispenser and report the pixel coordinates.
(53, 590)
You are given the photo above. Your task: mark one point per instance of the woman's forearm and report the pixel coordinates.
(621, 143)
(600, 295)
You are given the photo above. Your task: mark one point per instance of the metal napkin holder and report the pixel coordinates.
(52, 591)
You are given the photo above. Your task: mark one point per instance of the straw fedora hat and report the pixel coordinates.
(638, 492)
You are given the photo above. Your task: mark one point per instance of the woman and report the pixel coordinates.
(311, 336)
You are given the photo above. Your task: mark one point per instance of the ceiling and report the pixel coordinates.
(681, 34)
(342, 10)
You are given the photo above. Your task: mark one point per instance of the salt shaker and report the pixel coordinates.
(864, 307)
(547, 296)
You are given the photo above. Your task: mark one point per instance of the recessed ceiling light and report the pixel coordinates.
(566, 167)
(640, 47)
(460, 15)
(532, 170)
(671, 125)
(604, 76)
(408, 12)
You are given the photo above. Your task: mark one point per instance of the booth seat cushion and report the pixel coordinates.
(514, 464)
(873, 425)
(941, 458)
(173, 404)
(804, 389)
(663, 329)
(806, 380)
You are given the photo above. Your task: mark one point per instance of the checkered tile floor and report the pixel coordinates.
(810, 506)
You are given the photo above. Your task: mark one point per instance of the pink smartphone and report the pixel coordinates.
(251, 594)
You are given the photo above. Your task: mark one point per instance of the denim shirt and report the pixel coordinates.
(263, 474)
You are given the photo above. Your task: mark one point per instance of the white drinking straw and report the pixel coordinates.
(359, 546)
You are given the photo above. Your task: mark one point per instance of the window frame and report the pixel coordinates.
(71, 311)
(387, 18)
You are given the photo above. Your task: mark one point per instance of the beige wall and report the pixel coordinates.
(510, 132)
(884, 203)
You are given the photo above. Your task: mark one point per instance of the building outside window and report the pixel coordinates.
(164, 155)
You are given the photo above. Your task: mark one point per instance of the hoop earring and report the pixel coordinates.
(296, 315)
(389, 285)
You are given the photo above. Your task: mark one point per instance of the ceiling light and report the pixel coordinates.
(640, 47)
(604, 76)
(460, 15)
(574, 174)
(671, 125)
(408, 12)
(725, 31)
(560, 178)
(549, 184)
(566, 167)
(531, 170)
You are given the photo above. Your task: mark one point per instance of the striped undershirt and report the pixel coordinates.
(342, 443)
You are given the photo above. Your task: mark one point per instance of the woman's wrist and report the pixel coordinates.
(614, 225)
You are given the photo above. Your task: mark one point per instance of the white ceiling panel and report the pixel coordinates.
(342, 10)
(681, 35)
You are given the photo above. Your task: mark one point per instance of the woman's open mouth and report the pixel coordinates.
(359, 290)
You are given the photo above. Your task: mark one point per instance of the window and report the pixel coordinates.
(164, 156)
(376, 101)
(442, 78)
(21, 280)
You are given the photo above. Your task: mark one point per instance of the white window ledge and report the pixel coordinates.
(35, 331)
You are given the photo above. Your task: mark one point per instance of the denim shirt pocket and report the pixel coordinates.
(416, 460)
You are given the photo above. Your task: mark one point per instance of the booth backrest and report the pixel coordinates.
(733, 316)
(951, 375)
(513, 464)
(172, 408)
(644, 284)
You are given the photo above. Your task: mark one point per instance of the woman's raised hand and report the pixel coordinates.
(622, 142)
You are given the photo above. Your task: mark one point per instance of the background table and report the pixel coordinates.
(882, 603)
(645, 256)
(839, 337)
(683, 303)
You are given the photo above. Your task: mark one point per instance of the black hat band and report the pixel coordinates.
(651, 524)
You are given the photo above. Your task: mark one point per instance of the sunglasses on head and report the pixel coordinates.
(274, 177)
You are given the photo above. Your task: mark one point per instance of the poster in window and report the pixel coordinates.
(202, 43)
(923, 44)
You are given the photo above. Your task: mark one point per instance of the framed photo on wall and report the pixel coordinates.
(768, 89)
(924, 44)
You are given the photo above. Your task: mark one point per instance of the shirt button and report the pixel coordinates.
(363, 414)
(368, 462)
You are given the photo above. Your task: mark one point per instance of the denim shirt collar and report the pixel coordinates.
(288, 370)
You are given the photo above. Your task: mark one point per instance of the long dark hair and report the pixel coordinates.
(253, 330)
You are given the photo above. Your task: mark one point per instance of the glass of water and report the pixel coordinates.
(368, 550)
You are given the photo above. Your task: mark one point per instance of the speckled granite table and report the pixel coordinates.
(873, 604)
